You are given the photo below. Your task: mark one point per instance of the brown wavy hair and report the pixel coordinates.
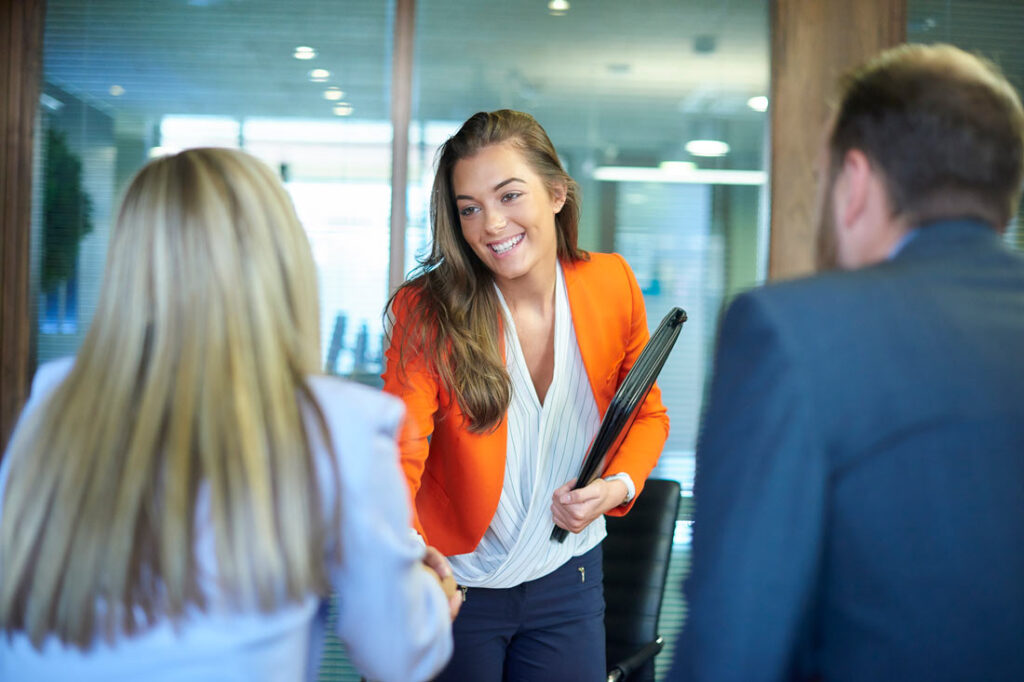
(452, 316)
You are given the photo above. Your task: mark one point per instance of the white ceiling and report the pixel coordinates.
(619, 78)
(622, 77)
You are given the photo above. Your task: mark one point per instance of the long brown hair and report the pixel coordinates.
(453, 314)
(190, 376)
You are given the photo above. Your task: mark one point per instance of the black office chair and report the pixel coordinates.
(636, 556)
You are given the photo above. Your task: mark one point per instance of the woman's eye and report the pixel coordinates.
(510, 196)
(467, 211)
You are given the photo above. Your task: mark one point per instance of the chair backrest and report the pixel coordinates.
(636, 556)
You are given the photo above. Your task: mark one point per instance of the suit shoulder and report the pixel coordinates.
(817, 293)
(408, 296)
(600, 261)
(346, 402)
(603, 266)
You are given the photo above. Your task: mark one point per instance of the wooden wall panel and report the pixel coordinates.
(813, 43)
(401, 113)
(21, 44)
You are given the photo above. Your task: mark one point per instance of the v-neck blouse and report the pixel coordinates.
(545, 448)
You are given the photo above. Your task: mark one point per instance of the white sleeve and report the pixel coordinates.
(392, 613)
(47, 378)
(628, 481)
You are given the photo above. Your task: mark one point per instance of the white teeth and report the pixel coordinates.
(502, 247)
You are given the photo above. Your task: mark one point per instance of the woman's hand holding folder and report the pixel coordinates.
(574, 510)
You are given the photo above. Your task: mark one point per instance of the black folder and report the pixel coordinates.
(627, 401)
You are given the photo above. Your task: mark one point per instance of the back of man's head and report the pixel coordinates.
(944, 128)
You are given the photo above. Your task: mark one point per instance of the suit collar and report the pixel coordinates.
(944, 235)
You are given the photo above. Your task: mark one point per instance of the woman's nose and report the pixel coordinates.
(496, 221)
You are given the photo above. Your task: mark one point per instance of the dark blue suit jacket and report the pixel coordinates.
(860, 475)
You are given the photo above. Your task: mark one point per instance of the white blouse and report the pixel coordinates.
(545, 449)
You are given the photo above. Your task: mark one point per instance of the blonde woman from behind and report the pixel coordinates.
(179, 499)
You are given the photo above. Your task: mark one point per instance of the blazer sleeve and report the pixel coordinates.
(760, 498)
(392, 613)
(642, 446)
(415, 382)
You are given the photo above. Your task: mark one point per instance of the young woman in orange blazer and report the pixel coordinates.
(507, 346)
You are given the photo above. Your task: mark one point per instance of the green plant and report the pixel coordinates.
(67, 210)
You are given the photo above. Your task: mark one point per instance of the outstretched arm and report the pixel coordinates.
(409, 378)
(394, 616)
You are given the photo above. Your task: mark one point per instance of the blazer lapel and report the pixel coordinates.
(588, 308)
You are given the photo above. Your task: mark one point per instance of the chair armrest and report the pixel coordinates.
(623, 669)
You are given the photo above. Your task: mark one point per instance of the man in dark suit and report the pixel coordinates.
(860, 474)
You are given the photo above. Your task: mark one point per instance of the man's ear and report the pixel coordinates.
(853, 185)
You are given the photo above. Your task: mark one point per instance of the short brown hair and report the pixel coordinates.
(944, 127)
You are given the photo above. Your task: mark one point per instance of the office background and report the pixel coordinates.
(665, 112)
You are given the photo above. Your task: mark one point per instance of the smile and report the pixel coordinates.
(507, 245)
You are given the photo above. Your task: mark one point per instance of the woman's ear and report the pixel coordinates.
(559, 192)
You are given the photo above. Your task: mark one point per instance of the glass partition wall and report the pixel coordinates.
(992, 28)
(304, 86)
(657, 109)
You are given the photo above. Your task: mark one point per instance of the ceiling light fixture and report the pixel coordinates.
(333, 94)
(304, 52)
(319, 75)
(677, 166)
(342, 109)
(758, 103)
(698, 176)
(116, 90)
(707, 147)
(558, 7)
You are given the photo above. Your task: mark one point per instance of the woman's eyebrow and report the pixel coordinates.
(496, 187)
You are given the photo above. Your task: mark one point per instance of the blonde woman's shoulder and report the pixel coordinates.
(345, 402)
(49, 375)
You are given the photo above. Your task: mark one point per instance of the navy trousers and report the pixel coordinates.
(551, 628)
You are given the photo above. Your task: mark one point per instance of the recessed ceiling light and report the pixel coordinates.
(560, 6)
(758, 103)
(333, 94)
(304, 52)
(342, 109)
(116, 90)
(707, 147)
(677, 166)
(319, 75)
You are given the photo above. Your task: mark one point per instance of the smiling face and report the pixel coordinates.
(507, 213)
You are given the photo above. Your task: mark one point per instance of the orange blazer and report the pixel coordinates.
(455, 477)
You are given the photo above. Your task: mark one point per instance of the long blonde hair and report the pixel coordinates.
(454, 320)
(191, 375)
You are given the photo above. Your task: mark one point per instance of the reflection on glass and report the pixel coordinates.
(251, 76)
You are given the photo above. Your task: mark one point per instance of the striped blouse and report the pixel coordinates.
(546, 445)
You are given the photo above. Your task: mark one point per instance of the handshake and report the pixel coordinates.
(436, 563)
